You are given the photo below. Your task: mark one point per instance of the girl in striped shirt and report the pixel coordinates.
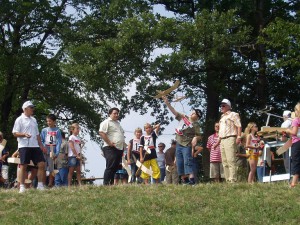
(213, 145)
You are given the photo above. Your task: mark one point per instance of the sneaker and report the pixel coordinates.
(22, 190)
(41, 188)
(185, 182)
(192, 183)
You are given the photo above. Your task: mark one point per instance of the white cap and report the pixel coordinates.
(287, 113)
(226, 101)
(27, 104)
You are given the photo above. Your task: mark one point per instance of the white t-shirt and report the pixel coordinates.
(286, 124)
(25, 124)
(114, 132)
(76, 141)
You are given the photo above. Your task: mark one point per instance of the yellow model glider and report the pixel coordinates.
(168, 91)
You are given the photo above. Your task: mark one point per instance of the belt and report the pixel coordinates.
(228, 136)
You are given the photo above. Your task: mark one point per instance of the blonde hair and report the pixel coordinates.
(147, 125)
(138, 130)
(72, 127)
(297, 110)
(249, 127)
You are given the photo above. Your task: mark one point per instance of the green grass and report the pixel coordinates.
(271, 203)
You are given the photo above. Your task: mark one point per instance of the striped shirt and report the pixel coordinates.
(215, 153)
(229, 123)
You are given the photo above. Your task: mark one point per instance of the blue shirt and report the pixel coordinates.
(51, 136)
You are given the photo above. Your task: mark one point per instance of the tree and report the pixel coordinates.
(31, 51)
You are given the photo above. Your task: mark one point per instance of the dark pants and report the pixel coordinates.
(134, 168)
(296, 158)
(113, 158)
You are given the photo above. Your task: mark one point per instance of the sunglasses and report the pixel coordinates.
(160, 146)
(223, 106)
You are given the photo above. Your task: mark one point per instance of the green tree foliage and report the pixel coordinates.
(110, 49)
(284, 37)
(30, 56)
(262, 83)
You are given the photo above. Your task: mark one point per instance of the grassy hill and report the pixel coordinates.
(273, 203)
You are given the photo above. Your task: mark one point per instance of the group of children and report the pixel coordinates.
(142, 148)
(63, 157)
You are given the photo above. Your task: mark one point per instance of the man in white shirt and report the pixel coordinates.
(29, 144)
(114, 143)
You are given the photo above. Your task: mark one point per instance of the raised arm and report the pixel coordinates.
(156, 127)
(165, 99)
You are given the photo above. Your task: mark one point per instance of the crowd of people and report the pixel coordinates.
(234, 155)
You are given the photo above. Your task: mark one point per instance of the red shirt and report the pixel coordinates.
(215, 153)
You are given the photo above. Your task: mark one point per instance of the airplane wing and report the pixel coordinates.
(168, 91)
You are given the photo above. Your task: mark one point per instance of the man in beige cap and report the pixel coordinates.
(230, 136)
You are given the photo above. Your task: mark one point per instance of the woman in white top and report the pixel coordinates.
(74, 154)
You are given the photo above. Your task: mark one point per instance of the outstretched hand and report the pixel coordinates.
(165, 99)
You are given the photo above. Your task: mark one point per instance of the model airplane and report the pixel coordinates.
(168, 91)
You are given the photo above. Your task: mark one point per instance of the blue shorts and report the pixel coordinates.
(73, 161)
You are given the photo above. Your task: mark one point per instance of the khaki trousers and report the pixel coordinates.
(228, 152)
(172, 175)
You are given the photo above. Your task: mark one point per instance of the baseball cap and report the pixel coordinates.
(198, 112)
(286, 113)
(226, 101)
(27, 104)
